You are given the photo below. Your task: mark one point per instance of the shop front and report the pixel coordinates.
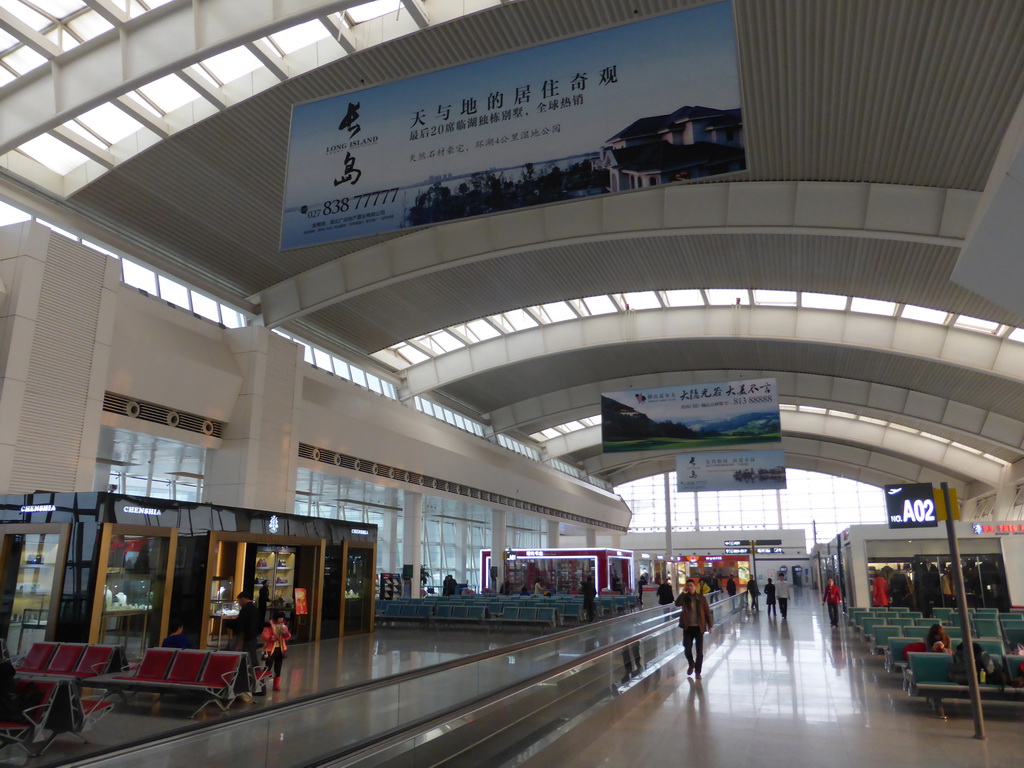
(884, 565)
(106, 568)
(560, 570)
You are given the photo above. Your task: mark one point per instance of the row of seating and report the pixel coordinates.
(72, 660)
(1008, 627)
(468, 614)
(216, 677)
(925, 673)
(49, 679)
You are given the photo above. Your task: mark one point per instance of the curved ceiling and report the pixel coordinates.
(873, 129)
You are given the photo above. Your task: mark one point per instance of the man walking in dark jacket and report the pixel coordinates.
(695, 619)
(589, 595)
(250, 626)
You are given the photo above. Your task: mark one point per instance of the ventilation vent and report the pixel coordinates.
(161, 414)
(325, 456)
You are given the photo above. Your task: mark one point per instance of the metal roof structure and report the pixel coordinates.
(883, 165)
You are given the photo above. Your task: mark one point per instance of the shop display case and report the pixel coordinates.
(37, 559)
(359, 583)
(276, 566)
(132, 589)
(222, 607)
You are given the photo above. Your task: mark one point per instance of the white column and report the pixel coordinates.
(461, 550)
(56, 331)
(394, 559)
(591, 538)
(668, 515)
(257, 462)
(412, 538)
(1006, 493)
(499, 534)
(554, 534)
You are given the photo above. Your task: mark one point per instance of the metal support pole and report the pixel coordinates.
(965, 620)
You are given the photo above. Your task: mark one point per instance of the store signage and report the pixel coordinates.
(645, 555)
(737, 550)
(152, 511)
(535, 553)
(911, 505)
(770, 551)
(360, 531)
(712, 558)
(39, 508)
(997, 528)
(273, 524)
(734, 543)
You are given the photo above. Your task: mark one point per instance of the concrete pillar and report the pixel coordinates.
(58, 300)
(257, 463)
(499, 539)
(554, 534)
(412, 538)
(462, 551)
(591, 538)
(668, 515)
(1006, 492)
(394, 564)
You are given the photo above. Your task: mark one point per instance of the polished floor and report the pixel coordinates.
(775, 692)
(788, 693)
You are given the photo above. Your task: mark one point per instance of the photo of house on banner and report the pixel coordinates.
(630, 107)
(731, 471)
(694, 417)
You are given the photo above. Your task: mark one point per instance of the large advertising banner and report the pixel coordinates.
(695, 417)
(643, 104)
(731, 471)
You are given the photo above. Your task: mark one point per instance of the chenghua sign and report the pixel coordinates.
(635, 106)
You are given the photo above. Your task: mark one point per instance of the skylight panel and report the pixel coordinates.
(901, 428)
(446, 341)
(775, 298)
(100, 249)
(23, 60)
(481, 330)
(137, 99)
(811, 409)
(642, 300)
(976, 324)
(936, 438)
(822, 301)
(518, 319)
(109, 122)
(36, 20)
(54, 154)
(590, 421)
(11, 215)
(62, 38)
(556, 312)
(231, 65)
(690, 298)
(206, 307)
(322, 360)
(410, 353)
(599, 305)
(719, 297)
(169, 93)
(300, 36)
(59, 9)
(841, 414)
(572, 426)
(7, 41)
(156, 3)
(74, 127)
(967, 448)
(6, 77)
(89, 25)
(872, 306)
(373, 10)
(869, 420)
(787, 407)
(1017, 335)
(924, 314)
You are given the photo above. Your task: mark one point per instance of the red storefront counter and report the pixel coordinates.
(557, 570)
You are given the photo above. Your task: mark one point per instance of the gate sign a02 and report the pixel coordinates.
(911, 505)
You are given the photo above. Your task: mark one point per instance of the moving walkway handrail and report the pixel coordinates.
(311, 728)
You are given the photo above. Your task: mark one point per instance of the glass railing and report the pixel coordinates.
(376, 717)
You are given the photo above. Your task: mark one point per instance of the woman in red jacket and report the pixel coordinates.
(832, 599)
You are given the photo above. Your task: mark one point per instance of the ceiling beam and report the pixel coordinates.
(12, 25)
(86, 147)
(108, 11)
